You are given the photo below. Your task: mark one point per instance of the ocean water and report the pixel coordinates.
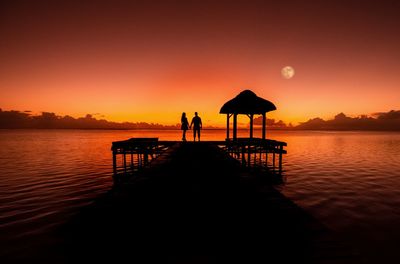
(350, 181)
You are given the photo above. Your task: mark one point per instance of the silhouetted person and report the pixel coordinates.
(197, 125)
(184, 125)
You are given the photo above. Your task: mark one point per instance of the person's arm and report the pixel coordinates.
(201, 124)
(191, 124)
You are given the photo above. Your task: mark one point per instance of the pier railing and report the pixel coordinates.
(257, 152)
(133, 154)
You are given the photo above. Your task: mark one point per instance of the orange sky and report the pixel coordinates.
(140, 61)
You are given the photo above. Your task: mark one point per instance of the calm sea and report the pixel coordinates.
(348, 180)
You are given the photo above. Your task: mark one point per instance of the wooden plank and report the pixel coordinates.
(195, 200)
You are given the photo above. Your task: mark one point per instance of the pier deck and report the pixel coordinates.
(196, 204)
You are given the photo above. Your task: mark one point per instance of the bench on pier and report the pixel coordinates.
(254, 152)
(135, 153)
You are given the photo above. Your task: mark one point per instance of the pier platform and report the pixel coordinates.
(195, 203)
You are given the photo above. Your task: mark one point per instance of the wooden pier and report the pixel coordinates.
(254, 152)
(197, 202)
(129, 156)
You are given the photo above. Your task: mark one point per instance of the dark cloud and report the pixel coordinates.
(384, 121)
(49, 120)
(271, 123)
(391, 115)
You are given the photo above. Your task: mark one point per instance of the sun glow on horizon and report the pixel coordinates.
(135, 63)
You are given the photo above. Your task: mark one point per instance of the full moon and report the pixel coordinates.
(287, 72)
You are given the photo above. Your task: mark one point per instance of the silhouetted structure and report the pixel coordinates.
(246, 103)
(251, 151)
(136, 153)
(196, 204)
(133, 154)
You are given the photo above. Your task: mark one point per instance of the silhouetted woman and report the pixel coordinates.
(184, 125)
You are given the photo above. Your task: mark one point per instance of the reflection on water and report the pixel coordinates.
(348, 180)
(351, 182)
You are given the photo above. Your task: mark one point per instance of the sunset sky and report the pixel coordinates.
(151, 60)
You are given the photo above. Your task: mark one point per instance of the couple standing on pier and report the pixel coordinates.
(196, 123)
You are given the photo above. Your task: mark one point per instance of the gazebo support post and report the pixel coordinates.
(248, 103)
(264, 119)
(280, 159)
(227, 126)
(251, 125)
(234, 126)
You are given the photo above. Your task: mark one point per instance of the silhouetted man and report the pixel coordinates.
(197, 125)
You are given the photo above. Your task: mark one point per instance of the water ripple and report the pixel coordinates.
(350, 181)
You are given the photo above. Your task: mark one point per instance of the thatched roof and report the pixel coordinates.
(247, 102)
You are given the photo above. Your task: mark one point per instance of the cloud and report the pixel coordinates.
(271, 123)
(384, 121)
(49, 120)
(391, 115)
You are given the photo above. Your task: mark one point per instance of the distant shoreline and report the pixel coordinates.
(383, 121)
(217, 129)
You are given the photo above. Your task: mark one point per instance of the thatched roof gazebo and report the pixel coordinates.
(246, 103)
